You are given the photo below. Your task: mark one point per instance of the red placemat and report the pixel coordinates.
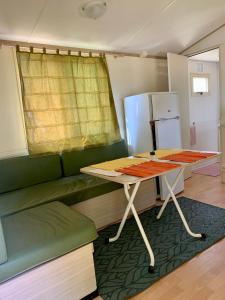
(146, 169)
(188, 156)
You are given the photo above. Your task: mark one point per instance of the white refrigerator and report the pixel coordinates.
(153, 122)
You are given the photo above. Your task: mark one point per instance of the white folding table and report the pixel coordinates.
(127, 181)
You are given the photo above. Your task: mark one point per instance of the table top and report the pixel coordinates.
(127, 179)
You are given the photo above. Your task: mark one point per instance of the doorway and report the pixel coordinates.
(204, 100)
(196, 80)
(204, 107)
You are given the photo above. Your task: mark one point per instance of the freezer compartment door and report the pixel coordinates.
(165, 105)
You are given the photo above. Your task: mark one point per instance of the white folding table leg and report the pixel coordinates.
(198, 235)
(146, 241)
(130, 199)
(180, 173)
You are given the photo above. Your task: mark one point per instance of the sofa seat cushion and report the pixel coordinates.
(3, 251)
(69, 190)
(43, 233)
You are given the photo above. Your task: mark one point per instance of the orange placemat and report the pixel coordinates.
(150, 168)
(188, 156)
(198, 154)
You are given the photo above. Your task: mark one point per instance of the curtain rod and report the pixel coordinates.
(73, 49)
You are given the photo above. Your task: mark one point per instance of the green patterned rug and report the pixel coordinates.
(122, 266)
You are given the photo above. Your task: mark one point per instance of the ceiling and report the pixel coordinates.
(211, 56)
(134, 26)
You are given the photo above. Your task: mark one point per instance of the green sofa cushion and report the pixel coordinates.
(20, 172)
(73, 161)
(68, 190)
(37, 235)
(3, 252)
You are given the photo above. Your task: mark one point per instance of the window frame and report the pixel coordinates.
(200, 75)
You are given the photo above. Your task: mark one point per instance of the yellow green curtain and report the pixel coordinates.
(67, 102)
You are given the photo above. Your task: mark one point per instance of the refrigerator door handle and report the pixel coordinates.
(165, 119)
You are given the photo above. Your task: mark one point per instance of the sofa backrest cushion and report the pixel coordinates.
(73, 161)
(3, 252)
(23, 171)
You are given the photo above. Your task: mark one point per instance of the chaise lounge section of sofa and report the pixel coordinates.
(41, 237)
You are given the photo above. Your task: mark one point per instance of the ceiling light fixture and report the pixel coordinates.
(144, 53)
(93, 9)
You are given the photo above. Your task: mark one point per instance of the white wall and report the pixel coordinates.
(134, 75)
(129, 75)
(204, 110)
(12, 137)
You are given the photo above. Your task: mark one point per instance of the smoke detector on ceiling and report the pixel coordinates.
(93, 9)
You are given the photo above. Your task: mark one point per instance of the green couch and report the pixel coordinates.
(27, 182)
(36, 224)
(40, 234)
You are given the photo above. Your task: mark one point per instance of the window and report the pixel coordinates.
(67, 102)
(200, 84)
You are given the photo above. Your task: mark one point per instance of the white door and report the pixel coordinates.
(222, 106)
(178, 82)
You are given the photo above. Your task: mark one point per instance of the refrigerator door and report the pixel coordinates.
(137, 116)
(168, 136)
(167, 133)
